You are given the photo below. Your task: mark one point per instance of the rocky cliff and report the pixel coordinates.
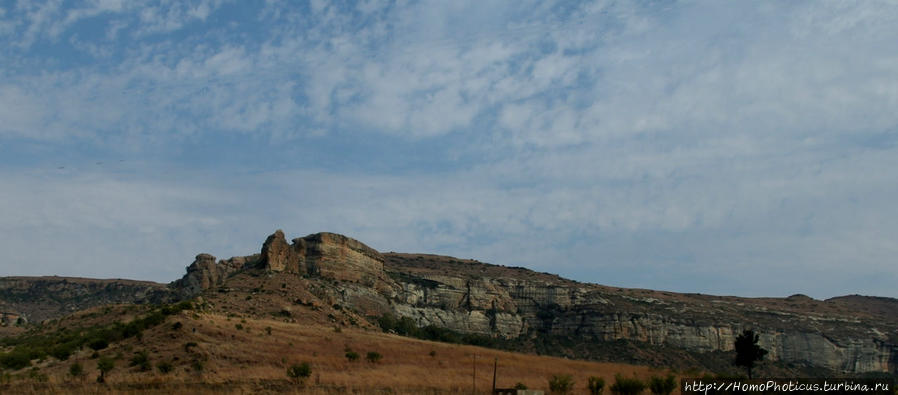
(515, 303)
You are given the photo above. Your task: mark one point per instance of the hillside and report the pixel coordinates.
(327, 280)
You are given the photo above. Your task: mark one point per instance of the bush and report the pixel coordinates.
(595, 385)
(561, 383)
(98, 344)
(352, 356)
(164, 367)
(663, 386)
(76, 370)
(520, 386)
(299, 372)
(142, 360)
(626, 386)
(15, 360)
(373, 356)
(189, 345)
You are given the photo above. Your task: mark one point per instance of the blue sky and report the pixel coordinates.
(739, 148)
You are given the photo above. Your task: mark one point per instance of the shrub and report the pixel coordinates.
(142, 360)
(15, 360)
(98, 344)
(595, 385)
(352, 356)
(299, 372)
(626, 386)
(520, 386)
(432, 353)
(177, 325)
(189, 345)
(197, 366)
(561, 383)
(664, 386)
(268, 330)
(63, 351)
(164, 367)
(373, 356)
(76, 370)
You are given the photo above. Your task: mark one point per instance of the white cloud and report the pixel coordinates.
(730, 140)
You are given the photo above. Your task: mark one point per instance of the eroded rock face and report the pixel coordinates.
(205, 273)
(472, 301)
(328, 255)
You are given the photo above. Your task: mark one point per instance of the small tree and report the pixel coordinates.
(664, 386)
(104, 365)
(373, 356)
(626, 386)
(299, 372)
(595, 385)
(352, 356)
(748, 351)
(561, 383)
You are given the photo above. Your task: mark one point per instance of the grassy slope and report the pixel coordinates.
(251, 359)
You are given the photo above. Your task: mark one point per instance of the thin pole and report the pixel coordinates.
(474, 376)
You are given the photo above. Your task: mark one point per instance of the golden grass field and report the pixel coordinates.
(238, 355)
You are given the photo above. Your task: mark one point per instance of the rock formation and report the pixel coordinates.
(328, 255)
(205, 273)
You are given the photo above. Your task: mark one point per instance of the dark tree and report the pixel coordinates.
(104, 365)
(748, 351)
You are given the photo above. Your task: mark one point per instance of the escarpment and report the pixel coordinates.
(340, 276)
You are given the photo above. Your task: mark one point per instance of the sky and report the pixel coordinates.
(730, 148)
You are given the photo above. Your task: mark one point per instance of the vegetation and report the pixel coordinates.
(561, 383)
(164, 367)
(595, 385)
(662, 386)
(65, 341)
(299, 372)
(748, 351)
(141, 360)
(406, 326)
(104, 365)
(352, 356)
(76, 370)
(626, 386)
(373, 356)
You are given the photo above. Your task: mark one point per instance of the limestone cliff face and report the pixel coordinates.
(829, 334)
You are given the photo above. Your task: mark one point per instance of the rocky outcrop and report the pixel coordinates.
(205, 273)
(328, 255)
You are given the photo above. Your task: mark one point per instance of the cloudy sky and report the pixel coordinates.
(738, 148)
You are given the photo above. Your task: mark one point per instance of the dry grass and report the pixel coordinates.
(249, 360)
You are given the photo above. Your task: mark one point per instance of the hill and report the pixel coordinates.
(325, 281)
